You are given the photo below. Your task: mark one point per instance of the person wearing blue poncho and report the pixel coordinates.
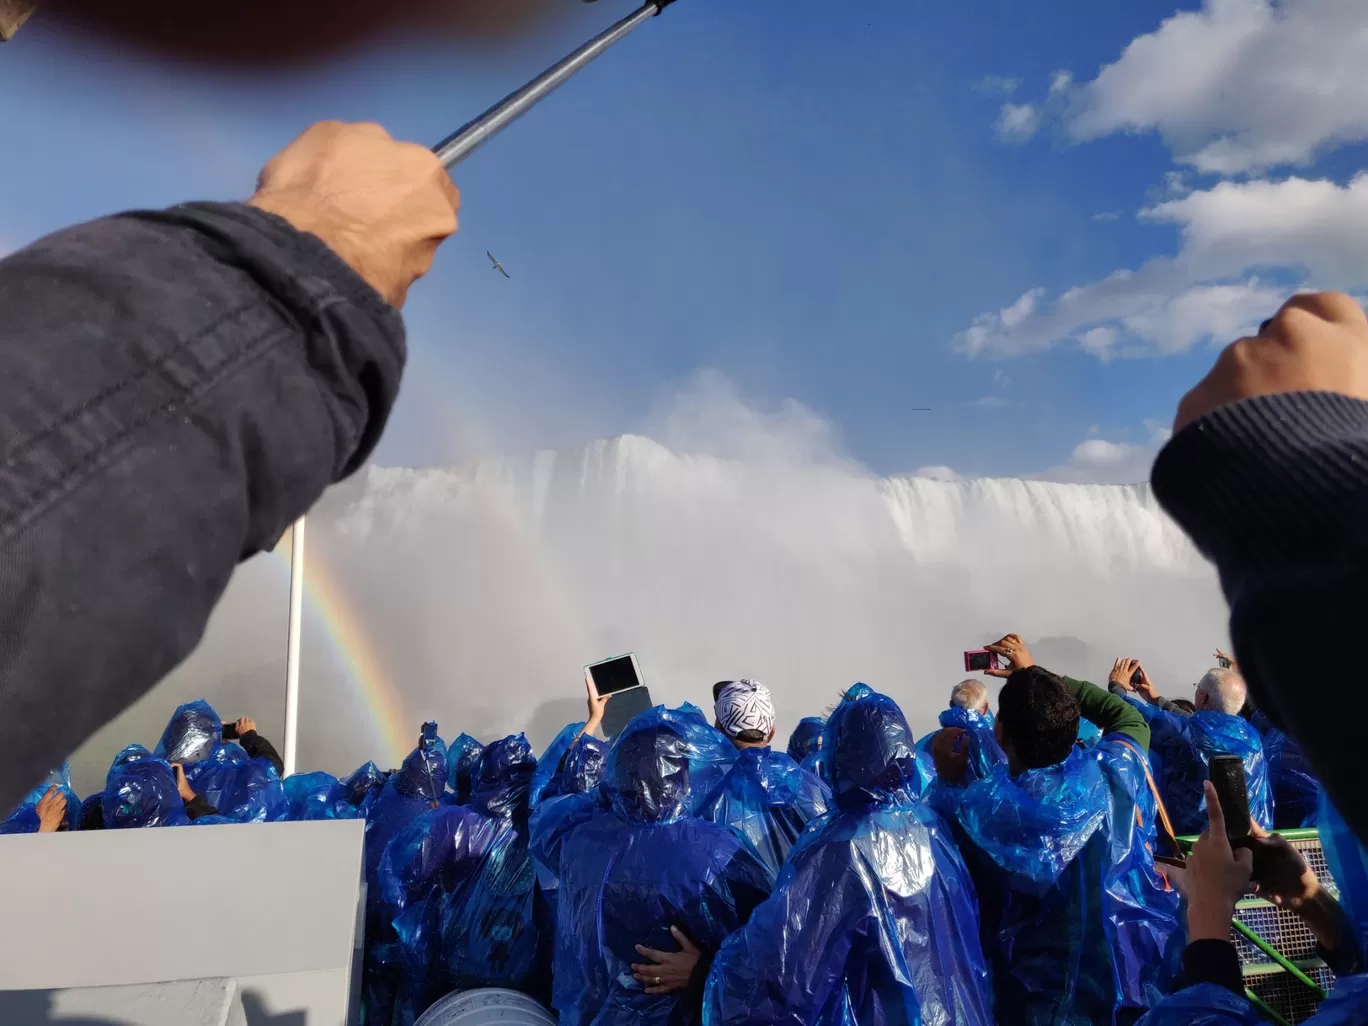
(1295, 789)
(1077, 925)
(51, 807)
(873, 919)
(766, 796)
(806, 738)
(459, 885)
(463, 762)
(416, 787)
(634, 861)
(240, 781)
(1182, 745)
(969, 713)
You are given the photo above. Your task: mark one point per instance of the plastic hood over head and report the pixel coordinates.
(663, 765)
(1036, 824)
(362, 788)
(132, 753)
(192, 734)
(871, 754)
(967, 719)
(143, 793)
(316, 795)
(463, 760)
(424, 772)
(769, 799)
(806, 738)
(984, 752)
(504, 782)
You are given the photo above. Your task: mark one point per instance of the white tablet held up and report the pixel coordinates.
(610, 676)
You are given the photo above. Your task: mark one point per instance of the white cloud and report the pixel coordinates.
(1017, 122)
(998, 84)
(1244, 246)
(1108, 215)
(937, 473)
(1240, 85)
(1061, 82)
(990, 402)
(1098, 461)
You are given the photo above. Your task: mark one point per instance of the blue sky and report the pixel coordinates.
(863, 208)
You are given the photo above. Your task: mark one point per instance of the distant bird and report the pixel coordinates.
(497, 266)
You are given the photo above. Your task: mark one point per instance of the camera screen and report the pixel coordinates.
(614, 675)
(980, 660)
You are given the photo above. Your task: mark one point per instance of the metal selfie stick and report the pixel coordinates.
(470, 137)
(452, 150)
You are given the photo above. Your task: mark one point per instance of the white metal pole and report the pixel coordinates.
(292, 645)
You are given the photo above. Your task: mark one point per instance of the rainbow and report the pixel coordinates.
(387, 714)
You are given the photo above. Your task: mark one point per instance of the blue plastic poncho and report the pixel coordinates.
(459, 884)
(192, 734)
(984, 752)
(317, 795)
(1296, 791)
(638, 862)
(806, 738)
(873, 919)
(463, 762)
(1076, 921)
(545, 780)
(1180, 748)
(24, 819)
(770, 799)
(362, 788)
(413, 789)
(1347, 860)
(583, 766)
(142, 792)
(242, 789)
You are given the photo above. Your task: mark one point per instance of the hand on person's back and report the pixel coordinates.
(51, 810)
(383, 206)
(950, 753)
(1317, 342)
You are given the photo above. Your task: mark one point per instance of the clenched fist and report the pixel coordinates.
(1317, 342)
(382, 206)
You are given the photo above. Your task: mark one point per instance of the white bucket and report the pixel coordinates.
(485, 1007)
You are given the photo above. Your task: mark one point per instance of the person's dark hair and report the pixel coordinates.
(1184, 704)
(1039, 717)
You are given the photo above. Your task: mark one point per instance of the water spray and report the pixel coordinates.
(451, 151)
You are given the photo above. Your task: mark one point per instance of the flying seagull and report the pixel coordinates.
(497, 266)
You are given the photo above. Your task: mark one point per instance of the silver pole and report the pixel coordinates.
(470, 137)
(292, 646)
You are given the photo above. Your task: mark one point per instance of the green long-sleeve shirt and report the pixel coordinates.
(1111, 714)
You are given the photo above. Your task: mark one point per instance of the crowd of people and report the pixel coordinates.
(1012, 865)
(183, 384)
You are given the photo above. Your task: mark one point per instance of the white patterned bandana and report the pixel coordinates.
(744, 705)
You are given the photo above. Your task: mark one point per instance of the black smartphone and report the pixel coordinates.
(1170, 860)
(1223, 662)
(428, 734)
(1227, 775)
(1137, 677)
(230, 731)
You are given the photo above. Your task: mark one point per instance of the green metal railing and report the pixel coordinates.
(1276, 957)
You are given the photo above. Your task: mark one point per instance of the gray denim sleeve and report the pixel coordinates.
(176, 387)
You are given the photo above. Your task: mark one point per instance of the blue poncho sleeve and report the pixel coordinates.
(544, 780)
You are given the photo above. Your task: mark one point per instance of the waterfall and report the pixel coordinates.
(484, 589)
